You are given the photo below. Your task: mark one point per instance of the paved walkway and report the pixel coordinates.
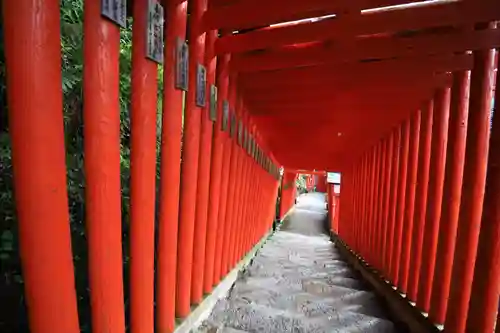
(298, 283)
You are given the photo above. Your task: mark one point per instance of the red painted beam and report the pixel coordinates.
(369, 48)
(438, 15)
(228, 17)
(342, 73)
(321, 55)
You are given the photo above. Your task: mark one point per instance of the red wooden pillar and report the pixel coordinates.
(253, 191)
(411, 185)
(202, 195)
(330, 202)
(245, 206)
(451, 195)
(235, 189)
(226, 168)
(244, 197)
(215, 176)
(401, 201)
(359, 219)
(33, 59)
(170, 167)
(434, 195)
(241, 216)
(287, 185)
(358, 191)
(232, 174)
(365, 206)
(190, 159)
(370, 230)
(240, 174)
(321, 184)
(143, 176)
(474, 178)
(485, 289)
(380, 204)
(337, 213)
(393, 201)
(424, 157)
(376, 208)
(387, 201)
(101, 117)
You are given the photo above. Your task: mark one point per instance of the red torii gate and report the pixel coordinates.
(404, 116)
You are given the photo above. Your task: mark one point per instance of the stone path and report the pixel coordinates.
(298, 283)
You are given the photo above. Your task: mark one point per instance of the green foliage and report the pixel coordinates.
(301, 183)
(14, 319)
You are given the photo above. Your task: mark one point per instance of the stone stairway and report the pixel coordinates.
(298, 283)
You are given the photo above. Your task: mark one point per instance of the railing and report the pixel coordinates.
(422, 205)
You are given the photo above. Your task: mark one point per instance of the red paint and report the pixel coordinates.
(170, 170)
(485, 290)
(101, 116)
(33, 60)
(190, 160)
(239, 178)
(434, 196)
(232, 174)
(377, 194)
(371, 213)
(364, 205)
(243, 231)
(222, 231)
(474, 179)
(396, 149)
(215, 177)
(143, 176)
(411, 185)
(452, 14)
(401, 202)
(424, 157)
(381, 204)
(202, 195)
(387, 200)
(451, 195)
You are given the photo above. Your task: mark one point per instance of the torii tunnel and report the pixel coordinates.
(395, 95)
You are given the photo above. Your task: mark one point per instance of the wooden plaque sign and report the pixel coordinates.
(213, 103)
(232, 128)
(154, 44)
(240, 133)
(181, 65)
(115, 10)
(225, 115)
(201, 85)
